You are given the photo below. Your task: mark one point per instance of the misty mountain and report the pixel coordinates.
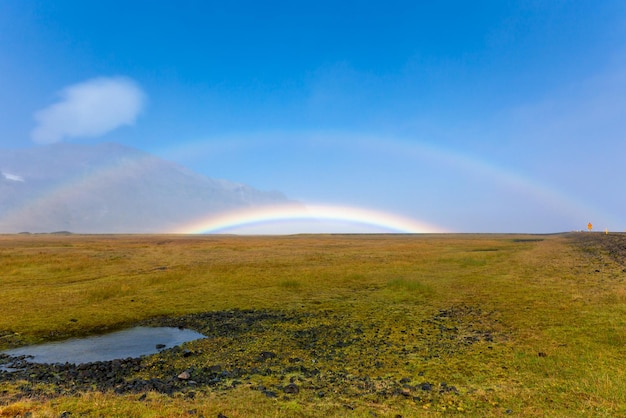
(109, 188)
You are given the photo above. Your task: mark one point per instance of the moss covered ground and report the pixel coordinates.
(325, 325)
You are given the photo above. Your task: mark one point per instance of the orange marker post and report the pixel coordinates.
(589, 226)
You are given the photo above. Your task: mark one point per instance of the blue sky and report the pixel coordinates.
(487, 116)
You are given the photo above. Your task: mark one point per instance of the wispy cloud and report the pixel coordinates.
(89, 109)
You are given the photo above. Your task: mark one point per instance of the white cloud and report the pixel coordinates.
(12, 177)
(89, 109)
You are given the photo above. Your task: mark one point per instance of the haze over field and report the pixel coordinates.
(480, 116)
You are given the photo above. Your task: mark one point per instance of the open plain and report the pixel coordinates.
(322, 325)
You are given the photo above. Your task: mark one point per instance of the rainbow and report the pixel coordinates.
(307, 218)
(572, 208)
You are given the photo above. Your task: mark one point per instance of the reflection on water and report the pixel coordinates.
(133, 342)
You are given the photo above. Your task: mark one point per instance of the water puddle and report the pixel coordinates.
(133, 342)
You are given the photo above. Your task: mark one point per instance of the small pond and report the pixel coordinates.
(133, 342)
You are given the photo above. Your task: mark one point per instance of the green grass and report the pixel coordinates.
(473, 311)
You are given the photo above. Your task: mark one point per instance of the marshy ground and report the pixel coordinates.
(379, 325)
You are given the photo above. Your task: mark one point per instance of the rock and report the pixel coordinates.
(216, 368)
(270, 394)
(291, 388)
(160, 346)
(266, 355)
(425, 386)
(184, 375)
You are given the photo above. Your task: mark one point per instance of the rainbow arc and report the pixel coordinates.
(319, 218)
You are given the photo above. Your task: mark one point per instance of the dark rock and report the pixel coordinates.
(542, 354)
(425, 386)
(291, 388)
(264, 355)
(216, 368)
(270, 394)
(160, 346)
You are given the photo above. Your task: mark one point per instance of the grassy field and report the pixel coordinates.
(337, 325)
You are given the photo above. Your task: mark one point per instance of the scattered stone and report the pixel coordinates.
(184, 375)
(270, 394)
(264, 355)
(216, 368)
(291, 388)
(425, 386)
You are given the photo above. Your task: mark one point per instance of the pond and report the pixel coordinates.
(133, 342)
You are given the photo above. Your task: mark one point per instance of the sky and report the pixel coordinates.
(481, 116)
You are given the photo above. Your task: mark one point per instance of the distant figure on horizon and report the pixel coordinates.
(589, 226)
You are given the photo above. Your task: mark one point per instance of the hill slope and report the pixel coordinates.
(109, 188)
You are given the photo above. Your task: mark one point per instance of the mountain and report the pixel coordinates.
(109, 188)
